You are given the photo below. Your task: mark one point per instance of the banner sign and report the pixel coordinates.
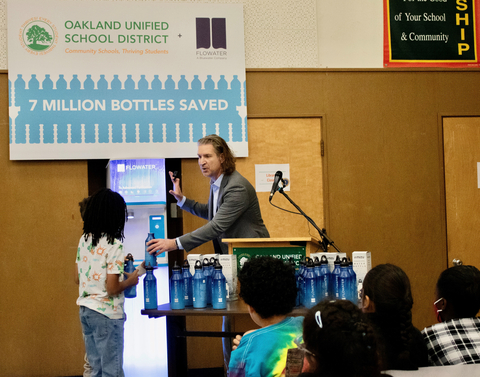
(120, 80)
(431, 33)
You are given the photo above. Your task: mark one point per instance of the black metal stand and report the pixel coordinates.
(323, 234)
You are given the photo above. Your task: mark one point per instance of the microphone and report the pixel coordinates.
(278, 178)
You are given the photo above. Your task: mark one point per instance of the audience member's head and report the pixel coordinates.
(387, 298)
(105, 215)
(339, 341)
(458, 293)
(268, 286)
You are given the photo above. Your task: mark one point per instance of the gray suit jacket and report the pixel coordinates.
(238, 215)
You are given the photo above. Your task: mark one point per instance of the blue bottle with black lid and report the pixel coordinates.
(325, 278)
(353, 283)
(207, 272)
(310, 282)
(219, 293)
(316, 263)
(177, 292)
(345, 292)
(335, 282)
(300, 282)
(199, 287)
(187, 283)
(150, 289)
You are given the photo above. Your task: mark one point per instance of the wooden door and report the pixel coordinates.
(462, 161)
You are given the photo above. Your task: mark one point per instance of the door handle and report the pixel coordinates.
(457, 262)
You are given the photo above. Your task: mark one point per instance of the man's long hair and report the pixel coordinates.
(221, 147)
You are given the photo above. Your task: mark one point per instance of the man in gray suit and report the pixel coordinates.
(232, 209)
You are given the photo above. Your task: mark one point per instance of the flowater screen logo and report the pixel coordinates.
(212, 36)
(38, 36)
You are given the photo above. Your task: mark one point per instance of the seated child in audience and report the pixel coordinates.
(338, 341)
(267, 285)
(387, 300)
(456, 339)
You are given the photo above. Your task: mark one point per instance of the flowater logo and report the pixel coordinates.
(211, 38)
(38, 36)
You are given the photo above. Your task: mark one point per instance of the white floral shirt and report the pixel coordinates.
(94, 263)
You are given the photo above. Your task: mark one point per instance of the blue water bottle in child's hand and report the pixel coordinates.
(130, 292)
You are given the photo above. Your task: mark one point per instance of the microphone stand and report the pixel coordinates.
(323, 234)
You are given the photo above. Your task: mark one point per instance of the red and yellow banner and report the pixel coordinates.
(431, 33)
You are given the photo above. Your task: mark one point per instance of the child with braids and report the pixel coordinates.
(100, 263)
(387, 300)
(338, 341)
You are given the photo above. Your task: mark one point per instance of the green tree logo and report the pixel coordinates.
(38, 36)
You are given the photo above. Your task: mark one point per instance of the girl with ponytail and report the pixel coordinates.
(387, 300)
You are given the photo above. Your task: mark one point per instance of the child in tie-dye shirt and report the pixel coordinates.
(100, 268)
(267, 285)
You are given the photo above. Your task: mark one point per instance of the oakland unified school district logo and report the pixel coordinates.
(38, 36)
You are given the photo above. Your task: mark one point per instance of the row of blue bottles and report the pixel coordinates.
(130, 292)
(188, 290)
(209, 286)
(315, 282)
(150, 289)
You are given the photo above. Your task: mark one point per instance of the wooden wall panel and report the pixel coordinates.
(40, 227)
